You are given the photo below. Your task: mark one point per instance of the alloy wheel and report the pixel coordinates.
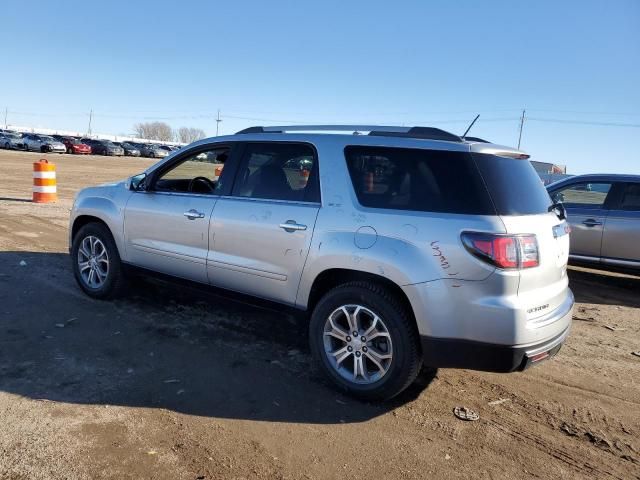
(93, 262)
(357, 344)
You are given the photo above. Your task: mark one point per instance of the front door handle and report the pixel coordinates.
(590, 222)
(292, 226)
(193, 214)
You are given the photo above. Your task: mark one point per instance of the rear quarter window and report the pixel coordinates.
(514, 185)
(417, 179)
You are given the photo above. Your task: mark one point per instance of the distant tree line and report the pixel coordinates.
(162, 132)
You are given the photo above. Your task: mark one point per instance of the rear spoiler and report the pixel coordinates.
(499, 150)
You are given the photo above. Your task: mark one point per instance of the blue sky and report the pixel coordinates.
(428, 63)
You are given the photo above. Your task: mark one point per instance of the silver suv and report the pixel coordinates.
(407, 246)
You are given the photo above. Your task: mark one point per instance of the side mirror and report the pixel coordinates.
(138, 183)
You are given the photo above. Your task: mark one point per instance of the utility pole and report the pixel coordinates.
(6, 111)
(521, 125)
(218, 120)
(90, 118)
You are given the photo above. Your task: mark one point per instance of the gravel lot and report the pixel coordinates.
(172, 382)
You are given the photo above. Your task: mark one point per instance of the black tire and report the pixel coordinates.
(115, 282)
(407, 359)
(7, 146)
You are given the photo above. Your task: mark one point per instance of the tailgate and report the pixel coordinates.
(543, 289)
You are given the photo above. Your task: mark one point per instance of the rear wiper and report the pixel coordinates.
(559, 210)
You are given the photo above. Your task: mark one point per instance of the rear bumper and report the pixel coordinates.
(452, 353)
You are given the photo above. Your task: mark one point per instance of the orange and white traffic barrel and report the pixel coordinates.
(44, 182)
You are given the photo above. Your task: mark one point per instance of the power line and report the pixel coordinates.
(583, 112)
(584, 122)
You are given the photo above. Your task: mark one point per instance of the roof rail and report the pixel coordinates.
(428, 133)
(475, 139)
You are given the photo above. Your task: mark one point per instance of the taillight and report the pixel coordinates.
(528, 251)
(503, 251)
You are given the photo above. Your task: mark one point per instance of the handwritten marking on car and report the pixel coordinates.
(437, 252)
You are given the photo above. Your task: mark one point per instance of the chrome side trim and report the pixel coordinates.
(212, 196)
(269, 200)
(584, 258)
(251, 271)
(620, 263)
(167, 254)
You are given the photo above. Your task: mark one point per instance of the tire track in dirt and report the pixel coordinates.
(545, 418)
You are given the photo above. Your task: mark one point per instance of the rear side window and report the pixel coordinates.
(631, 197)
(278, 171)
(417, 179)
(514, 185)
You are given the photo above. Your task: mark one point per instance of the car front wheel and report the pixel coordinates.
(96, 262)
(365, 341)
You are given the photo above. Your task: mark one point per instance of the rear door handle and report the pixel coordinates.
(193, 214)
(292, 226)
(590, 222)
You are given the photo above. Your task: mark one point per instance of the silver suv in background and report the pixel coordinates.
(604, 213)
(43, 144)
(11, 140)
(151, 150)
(407, 246)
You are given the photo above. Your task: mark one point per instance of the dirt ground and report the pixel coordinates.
(172, 382)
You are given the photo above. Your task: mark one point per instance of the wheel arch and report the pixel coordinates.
(106, 218)
(82, 220)
(334, 277)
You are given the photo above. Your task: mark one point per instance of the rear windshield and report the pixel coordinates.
(417, 179)
(515, 187)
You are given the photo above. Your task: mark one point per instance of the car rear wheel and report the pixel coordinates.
(364, 340)
(96, 262)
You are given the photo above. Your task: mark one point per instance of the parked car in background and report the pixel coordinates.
(103, 147)
(170, 148)
(417, 247)
(152, 150)
(11, 140)
(74, 145)
(129, 148)
(43, 143)
(604, 213)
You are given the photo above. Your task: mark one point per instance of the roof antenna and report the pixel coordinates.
(469, 127)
